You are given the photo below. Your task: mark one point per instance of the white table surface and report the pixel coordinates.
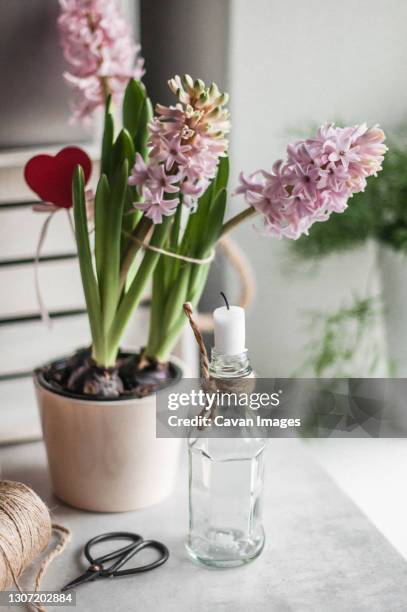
(321, 552)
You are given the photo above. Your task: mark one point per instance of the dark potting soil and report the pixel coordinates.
(79, 376)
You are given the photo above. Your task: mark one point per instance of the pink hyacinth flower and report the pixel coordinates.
(98, 46)
(317, 178)
(155, 208)
(186, 142)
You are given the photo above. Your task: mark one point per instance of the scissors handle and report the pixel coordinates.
(118, 553)
(115, 570)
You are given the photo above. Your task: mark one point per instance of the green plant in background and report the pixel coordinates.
(378, 213)
(344, 344)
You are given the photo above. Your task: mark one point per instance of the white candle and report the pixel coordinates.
(229, 324)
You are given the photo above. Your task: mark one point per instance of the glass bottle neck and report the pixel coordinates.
(229, 366)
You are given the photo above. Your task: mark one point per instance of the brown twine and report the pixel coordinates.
(210, 383)
(203, 355)
(149, 247)
(25, 531)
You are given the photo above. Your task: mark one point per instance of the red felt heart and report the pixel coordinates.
(50, 177)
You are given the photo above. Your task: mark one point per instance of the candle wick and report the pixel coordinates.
(226, 300)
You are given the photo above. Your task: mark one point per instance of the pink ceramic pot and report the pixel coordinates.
(104, 455)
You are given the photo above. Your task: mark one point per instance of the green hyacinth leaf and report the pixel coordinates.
(89, 282)
(142, 135)
(123, 148)
(215, 219)
(107, 140)
(133, 102)
(102, 199)
(222, 176)
(109, 281)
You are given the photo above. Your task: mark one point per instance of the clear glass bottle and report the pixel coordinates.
(226, 488)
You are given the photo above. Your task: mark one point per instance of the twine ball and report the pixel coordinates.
(25, 530)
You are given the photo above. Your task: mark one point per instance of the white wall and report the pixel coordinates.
(295, 64)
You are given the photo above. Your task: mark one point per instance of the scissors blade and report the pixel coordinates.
(88, 576)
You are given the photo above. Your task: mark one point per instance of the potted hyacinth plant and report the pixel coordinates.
(157, 214)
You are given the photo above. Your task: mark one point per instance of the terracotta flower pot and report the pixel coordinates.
(104, 455)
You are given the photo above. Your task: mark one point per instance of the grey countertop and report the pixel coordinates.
(321, 552)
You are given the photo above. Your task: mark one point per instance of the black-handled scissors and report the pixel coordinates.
(120, 556)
